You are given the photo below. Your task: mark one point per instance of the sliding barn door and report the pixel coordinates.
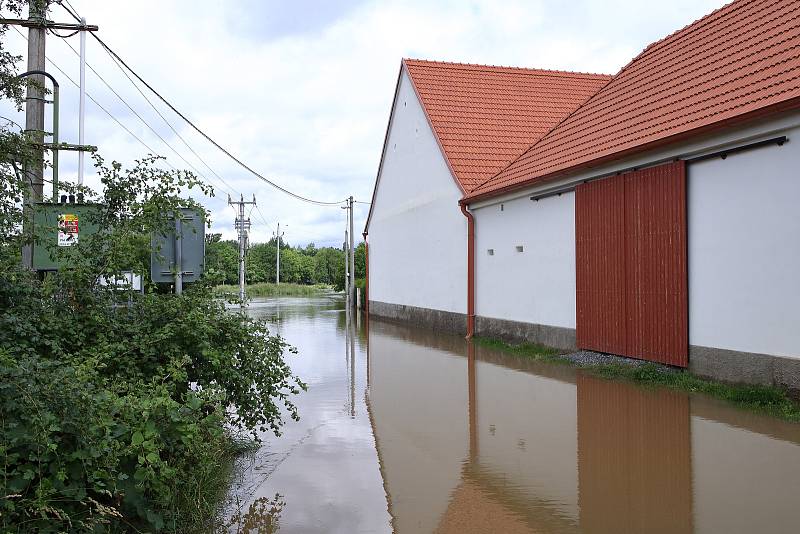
(631, 278)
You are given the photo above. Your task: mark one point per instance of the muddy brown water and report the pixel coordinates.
(407, 430)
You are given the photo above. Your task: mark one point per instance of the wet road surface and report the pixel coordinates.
(409, 430)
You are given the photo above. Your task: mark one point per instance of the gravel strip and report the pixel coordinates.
(588, 357)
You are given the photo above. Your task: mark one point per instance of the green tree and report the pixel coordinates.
(222, 260)
(305, 269)
(360, 260)
(261, 263)
(290, 265)
(329, 267)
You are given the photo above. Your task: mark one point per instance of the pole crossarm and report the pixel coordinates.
(49, 24)
(70, 146)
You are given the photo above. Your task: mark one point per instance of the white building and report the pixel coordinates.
(451, 128)
(659, 219)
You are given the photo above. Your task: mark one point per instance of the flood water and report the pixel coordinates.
(407, 430)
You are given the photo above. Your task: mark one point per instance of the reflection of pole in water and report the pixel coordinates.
(352, 333)
(473, 408)
(350, 358)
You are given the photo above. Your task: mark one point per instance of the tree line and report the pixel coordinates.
(300, 265)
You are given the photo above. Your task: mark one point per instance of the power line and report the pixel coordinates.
(96, 102)
(110, 115)
(263, 219)
(220, 178)
(143, 121)
(195, 127)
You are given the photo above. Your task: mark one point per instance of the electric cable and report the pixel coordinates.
(194, 126)
(149, 127)
(110, 115)
(169, 124)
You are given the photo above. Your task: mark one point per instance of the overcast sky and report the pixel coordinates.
(301, 90)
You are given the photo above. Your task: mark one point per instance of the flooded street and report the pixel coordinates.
(408, 430)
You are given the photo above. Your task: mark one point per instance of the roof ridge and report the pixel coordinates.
(521, 70)
(695, 25)
(750, 68)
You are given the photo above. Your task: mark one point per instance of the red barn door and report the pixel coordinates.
(631, 277)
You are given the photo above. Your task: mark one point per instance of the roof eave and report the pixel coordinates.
(780, 107)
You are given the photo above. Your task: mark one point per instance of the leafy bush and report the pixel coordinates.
(81, 458)
(117, 418)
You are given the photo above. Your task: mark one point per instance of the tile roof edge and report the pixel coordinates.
(692, 26)
(519, 70)
(790, 104)
(456, 179)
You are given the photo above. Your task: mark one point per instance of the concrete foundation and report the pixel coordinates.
(423, 317)
(514, 331)
(745, 367)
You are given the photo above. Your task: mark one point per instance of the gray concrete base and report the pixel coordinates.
(514, 331)
(423, 317)
(745, 367)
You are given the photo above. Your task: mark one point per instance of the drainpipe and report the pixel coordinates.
(366, 274)
(470, 271)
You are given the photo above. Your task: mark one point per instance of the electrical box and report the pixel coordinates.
(58, 226)
(188, 245)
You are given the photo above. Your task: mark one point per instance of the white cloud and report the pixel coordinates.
(302, 92)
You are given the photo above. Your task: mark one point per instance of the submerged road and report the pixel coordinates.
(408, 430)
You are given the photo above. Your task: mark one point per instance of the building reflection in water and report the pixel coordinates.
(472, 440)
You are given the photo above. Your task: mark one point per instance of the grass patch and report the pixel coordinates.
(273, 290)
(528, 350)
(762, 399)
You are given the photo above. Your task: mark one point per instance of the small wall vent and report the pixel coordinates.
(520, 248)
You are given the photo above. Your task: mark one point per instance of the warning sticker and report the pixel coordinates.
(67, 229)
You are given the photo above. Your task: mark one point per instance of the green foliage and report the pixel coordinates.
(299, 265)
(765, 399)
(222, 261)
(79, 457)
(114, 417)
(529, 350)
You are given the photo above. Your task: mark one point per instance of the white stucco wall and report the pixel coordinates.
(536, 285)
(744, 250)
(417, 233)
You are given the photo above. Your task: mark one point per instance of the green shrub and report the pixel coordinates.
(81, 458)
(116, 418)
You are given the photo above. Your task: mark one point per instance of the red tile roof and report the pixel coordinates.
(732, 64)
(485, 116)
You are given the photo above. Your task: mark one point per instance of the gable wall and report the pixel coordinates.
(417, 233)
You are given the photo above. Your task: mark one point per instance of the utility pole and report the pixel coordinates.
(34, 114)
(352, 284)
(38, 25)
(82, 103)
(242, 227)
(278, 235)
